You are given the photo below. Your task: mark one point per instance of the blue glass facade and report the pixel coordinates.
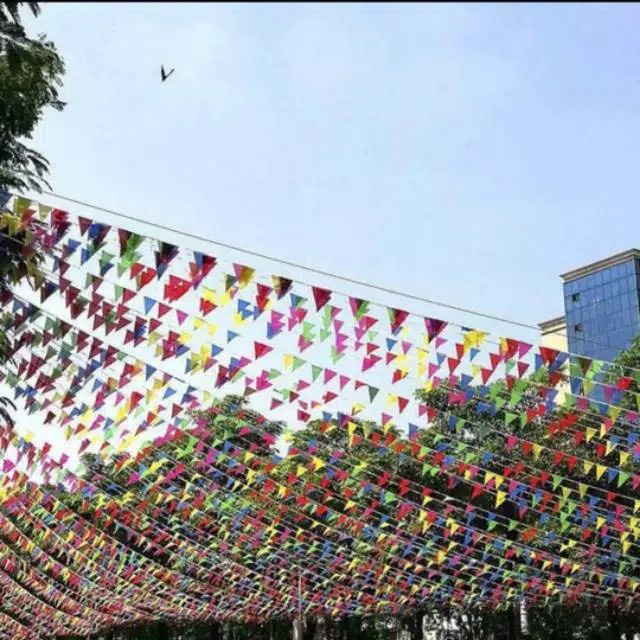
(603, 310)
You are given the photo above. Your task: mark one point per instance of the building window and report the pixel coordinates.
(575, 297)
(577, 328)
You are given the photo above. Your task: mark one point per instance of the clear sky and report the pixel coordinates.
(468, 154)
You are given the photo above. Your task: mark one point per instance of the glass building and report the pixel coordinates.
(602, 305)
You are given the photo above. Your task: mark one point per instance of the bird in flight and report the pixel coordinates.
(163, 74)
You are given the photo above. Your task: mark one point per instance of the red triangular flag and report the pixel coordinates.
(261, 349)
(321, 296)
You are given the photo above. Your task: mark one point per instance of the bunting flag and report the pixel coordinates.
(387, 460)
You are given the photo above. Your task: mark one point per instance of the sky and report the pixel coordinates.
(464, 153)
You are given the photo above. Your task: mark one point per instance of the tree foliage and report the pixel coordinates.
(627, 363)
(31, 72)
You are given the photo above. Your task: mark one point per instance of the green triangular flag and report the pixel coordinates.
(509, 417)
(622, 478)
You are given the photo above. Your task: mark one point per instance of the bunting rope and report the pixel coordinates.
(287, 263)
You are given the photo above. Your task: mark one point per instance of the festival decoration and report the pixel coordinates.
(512, 472)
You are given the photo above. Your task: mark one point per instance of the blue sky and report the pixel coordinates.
(468, 154)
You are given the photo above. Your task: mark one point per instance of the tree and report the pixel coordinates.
(31, 74)
(627, 363)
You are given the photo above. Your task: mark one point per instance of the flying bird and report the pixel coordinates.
(163, 74)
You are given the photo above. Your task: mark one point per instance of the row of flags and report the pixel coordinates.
(124, 348)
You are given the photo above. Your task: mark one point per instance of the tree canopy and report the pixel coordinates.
(31, 72)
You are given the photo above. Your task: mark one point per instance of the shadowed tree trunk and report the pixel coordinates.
(514, 623)
(161, 631)
(354, 627)
(412, 622)
(341, 629)
(626, 625)
(309, 629)
(614, 621)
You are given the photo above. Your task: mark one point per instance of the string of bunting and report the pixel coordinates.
(124, 346)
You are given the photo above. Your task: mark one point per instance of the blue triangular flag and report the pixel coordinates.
(148, 304)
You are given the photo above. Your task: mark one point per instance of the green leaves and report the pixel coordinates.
(31, 74)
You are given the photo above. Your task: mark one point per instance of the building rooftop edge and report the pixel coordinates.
(554, 323)
(611, 261)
